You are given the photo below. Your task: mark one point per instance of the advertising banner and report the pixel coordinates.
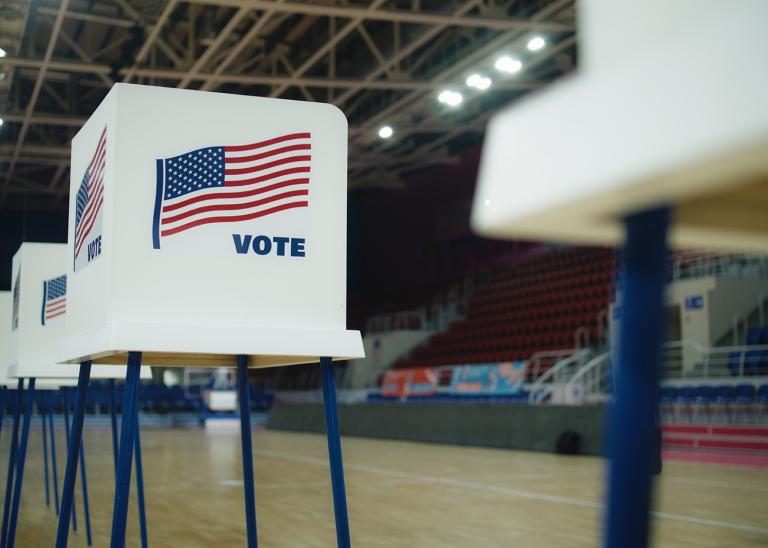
(494, 378)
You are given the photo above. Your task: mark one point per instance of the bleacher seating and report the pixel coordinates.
(715, 403)
(537, 305)
(755, 362)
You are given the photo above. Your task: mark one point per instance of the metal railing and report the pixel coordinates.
(691, 360)
(558, 374)
(594, 380)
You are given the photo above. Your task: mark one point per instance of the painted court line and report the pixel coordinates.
(532, 495)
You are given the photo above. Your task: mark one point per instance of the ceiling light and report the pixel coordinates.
(536, 43)
(2, 52)
(479, 82)
(508, 64)
(1, 122)
(385, 132)
(450, 98)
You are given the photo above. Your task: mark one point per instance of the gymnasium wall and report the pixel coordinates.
(511, 426)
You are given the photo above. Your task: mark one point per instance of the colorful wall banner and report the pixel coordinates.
(494, 378)
(409, 382)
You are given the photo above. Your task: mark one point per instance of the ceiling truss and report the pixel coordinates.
(380, 61)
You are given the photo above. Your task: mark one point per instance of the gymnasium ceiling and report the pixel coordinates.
(383, 62)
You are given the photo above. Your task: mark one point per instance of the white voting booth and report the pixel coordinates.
(664, 125)
(662, 109)
(206, 225)
(38, 316)
(209, 229)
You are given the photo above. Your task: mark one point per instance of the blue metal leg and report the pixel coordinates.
(140, 487)
(3, 393)
(41, 408)
(73, 446)
(11, 463)
(84, 485)
(65, 399)
(54, 466)
(113, 419)
(247, 447)
(334, 453)
(125, 451)
(21, 459)
(632, 422)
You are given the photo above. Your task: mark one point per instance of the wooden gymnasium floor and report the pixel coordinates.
(400, 494)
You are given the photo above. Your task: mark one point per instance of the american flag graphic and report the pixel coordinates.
(227, 184)
(54, 298)
(16, 299)
(90, 195)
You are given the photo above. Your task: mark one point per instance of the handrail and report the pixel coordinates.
(538, 392)
(595, 362)
(537, 357)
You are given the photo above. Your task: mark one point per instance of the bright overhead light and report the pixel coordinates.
(2, 52)
(478, 81)
(1, 122)
(450, 98)
(385, 132)
(536, 43)
(508, 64)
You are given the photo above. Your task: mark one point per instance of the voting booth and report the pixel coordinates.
(662, 110)
(38, 317)
(209, 229)
(664, 126)
(206, 225)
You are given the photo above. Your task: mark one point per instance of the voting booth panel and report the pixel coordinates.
(38, 313)
(638, 127)
(204, 225)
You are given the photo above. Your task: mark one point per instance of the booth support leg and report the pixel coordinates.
(54, 466)
(633, 416)
(246, 443)
(140, 487)
(113, 419)
(84, 485)
(334, 453)
(125, 450)
(44, 430)
(73, 446)
(3, 393)
(65, 400)
(11, 463)
(21, 459)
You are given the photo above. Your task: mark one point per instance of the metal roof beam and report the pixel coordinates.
(413, 17)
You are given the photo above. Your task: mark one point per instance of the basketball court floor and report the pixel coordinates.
(400, 494)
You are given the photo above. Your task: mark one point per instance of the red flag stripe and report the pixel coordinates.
(268, 176)
(268, 142)
(268, 165)
(229, 195)
(275, 152)
(246, 217)
(231, 207)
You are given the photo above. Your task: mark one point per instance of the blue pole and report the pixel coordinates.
(125, 451)
(54, 466)
(246, 444)
(113, 419)
(632, 422)
(41, 408)
(65, 398)
(70, 474)
(29, 402)
(3, 392)
(84, 485)
(11, 463)
(140, 487)
(334, 453)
